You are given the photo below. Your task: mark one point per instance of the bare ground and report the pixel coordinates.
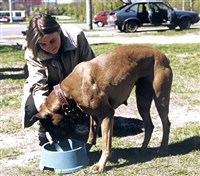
(181, 113)
(26, 140)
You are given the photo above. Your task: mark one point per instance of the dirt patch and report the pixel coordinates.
(27, 141)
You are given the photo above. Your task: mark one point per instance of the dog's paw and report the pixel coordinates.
(96, 168)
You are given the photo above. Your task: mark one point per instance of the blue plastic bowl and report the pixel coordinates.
(65, 157)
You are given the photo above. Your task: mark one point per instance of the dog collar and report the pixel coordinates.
(68, 111)
(61, 97)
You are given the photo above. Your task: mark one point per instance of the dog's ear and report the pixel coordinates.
(40, 115)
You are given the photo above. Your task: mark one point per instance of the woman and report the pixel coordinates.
(52, 53)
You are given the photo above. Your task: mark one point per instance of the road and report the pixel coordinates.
(13, 30)
(11, 34)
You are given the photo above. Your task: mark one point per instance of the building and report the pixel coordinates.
(19, 4)
(60, 1)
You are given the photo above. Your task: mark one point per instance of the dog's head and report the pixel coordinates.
(51, 110)
(45, 113)
(55, 118)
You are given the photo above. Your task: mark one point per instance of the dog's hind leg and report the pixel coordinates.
(162, 87)
(144, 96)
(163, 113)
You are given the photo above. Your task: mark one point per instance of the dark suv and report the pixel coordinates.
(152, 13)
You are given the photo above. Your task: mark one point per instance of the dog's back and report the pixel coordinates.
(107, 80)
(117, 71)
(124, 61)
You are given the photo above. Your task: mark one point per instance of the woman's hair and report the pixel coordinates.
(40, 25)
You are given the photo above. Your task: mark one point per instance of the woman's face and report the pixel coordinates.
(50, 42)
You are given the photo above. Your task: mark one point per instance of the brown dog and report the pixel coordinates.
(101, 85)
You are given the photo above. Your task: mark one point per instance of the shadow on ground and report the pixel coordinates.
(14, 73)
(134, 155)
(162, 30)
(124, 126)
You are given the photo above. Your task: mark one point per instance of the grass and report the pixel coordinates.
(148, 31)
(9, 126)
(11, 92)
(183, 159)
(168, 32)
(184, 58)
(185, 61)
(9, 153)
(11, 57)
(189, 131)
(126, 160)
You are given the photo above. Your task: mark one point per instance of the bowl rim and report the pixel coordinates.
(68, 151)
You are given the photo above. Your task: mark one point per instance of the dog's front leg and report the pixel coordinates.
(107, 132)
(94, 128)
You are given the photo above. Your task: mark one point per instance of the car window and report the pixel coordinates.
(133, 8)
(142, 8)
(168, 6)
(105, 14)
(162, 6)
(154, 7)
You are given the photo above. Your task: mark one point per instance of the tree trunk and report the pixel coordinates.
(89, 13)
(183, 4)
(191, 5)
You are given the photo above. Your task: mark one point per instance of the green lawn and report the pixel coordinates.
(184, 157)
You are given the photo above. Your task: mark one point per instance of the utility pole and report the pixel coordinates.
(89, 13)
(183, 4)
(191, 5)
(10, 9)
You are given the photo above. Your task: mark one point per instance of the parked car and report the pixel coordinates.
(111, 16)
(4, 19)
(19, 19)
(100, 19)
(152, 13)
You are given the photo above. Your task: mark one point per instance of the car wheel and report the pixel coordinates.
(131, 26)
(120, 28)
(100, 24)
(185, 24)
